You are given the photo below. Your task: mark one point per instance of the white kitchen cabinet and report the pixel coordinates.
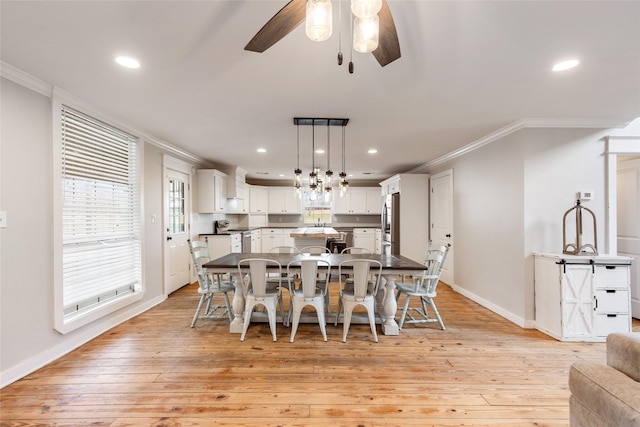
(236, 243)
(287, 240)
(271, 238)
(258, 200)
(365, 238)
(219, 245)
(582, 298)
(411, 210)
(283, 200)
(361, 201)
(212, 191)
(391, 185)
(256, 241)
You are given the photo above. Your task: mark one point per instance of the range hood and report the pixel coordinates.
(236, 184)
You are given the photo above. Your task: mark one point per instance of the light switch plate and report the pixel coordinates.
(3, 219)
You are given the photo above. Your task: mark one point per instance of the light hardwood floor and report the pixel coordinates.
(155, 370)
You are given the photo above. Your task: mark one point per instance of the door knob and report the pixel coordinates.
(169, 238)
(447, 235)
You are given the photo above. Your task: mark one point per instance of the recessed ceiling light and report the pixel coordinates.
(565, 65)
(261, 150)
(372, 151)
(128, 62)
(319, 151)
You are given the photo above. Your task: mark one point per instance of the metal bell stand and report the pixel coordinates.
(579, 248)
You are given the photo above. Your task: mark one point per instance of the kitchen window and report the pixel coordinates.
(317, 208)
(98, 268)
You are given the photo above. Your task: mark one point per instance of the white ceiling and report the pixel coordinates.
(467, 69)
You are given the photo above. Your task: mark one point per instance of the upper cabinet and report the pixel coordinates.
(391, 185)
(362, 201)
(283, 200)
(258, 200)
(212, 191)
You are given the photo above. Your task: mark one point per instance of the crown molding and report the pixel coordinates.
(50, 91)
(527, 123)
(18, 76)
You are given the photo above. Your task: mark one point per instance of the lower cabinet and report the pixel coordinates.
(271, 238)
(365, 238)
(219, 245)
(582, 298)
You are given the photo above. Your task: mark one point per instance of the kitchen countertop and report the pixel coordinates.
(313, 232)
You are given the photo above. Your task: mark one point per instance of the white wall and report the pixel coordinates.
(509, 200)
(27, 337)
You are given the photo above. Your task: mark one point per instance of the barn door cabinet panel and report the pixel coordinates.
(582, 298)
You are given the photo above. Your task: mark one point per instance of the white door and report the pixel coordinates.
(441, 215)
(628, 196)
(177, 213)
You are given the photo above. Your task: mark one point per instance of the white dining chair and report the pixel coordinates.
(321, 281)
(360, 294)
(209, 285)
(424, 287)
(308, 294)
(258, 293)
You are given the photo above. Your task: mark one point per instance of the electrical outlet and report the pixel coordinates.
(3, 219)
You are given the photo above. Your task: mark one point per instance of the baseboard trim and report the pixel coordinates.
(28, 366)
(523, 323)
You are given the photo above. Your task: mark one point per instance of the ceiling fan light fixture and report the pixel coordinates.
(365, 8)
(319, 20)
(366, 34)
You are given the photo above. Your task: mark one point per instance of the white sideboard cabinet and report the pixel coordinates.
(582, 298)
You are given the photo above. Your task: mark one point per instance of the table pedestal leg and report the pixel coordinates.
(237, 305)
(389, 306)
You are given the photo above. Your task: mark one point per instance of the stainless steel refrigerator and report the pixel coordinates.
(391, 225)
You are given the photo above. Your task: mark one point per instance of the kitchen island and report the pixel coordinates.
(313, 236)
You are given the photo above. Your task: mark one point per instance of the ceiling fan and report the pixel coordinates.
(293, 14)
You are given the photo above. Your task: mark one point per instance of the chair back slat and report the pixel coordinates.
(258, 274)
(284, 250)
(308, 271)
(361, 271)
(315, 250)
(434, 260)
(355, 250)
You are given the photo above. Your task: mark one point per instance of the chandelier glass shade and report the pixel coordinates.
(366, 33)
(319, 20)
(365, 29)
(365, 8)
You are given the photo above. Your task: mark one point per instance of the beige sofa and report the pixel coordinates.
(608, 395)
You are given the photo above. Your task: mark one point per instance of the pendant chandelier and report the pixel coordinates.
(320, 185)
(365, 24)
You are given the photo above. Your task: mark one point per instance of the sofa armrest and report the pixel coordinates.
(623, 353)
(605, 394)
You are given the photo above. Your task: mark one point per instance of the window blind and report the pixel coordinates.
(102, 256)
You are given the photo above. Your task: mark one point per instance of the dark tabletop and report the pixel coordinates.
(389, 262)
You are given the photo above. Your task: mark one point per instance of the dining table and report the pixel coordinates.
(393, 266)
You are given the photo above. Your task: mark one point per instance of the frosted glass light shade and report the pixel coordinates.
(366, 34)
(319, 20)
(365, 8)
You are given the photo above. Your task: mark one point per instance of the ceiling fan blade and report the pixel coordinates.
(388, 47)
(281, 24)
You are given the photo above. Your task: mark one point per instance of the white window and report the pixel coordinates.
(317, 207)
(98, 223)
